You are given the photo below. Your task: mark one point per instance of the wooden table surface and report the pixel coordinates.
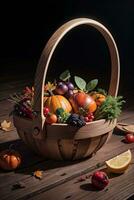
(61, 179)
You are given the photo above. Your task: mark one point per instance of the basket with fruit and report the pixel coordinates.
(65, 120)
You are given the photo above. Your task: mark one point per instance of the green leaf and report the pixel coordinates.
(110, 109)
(101, 91)
(81, 83)
(91, 85)
(59, 111)
(65, 75)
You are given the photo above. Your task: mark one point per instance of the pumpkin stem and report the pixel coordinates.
(50, 92)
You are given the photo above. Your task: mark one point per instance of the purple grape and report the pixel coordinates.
(69, 94)
(61, 88)
(70, 85)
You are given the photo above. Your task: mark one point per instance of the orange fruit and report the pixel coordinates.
(83, 100)
(99, 98)
(51, 118)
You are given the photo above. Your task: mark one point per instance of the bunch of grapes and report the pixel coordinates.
(23, 109)
(64, 88)
(76, 120)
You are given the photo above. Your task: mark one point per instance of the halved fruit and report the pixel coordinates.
(119, 163)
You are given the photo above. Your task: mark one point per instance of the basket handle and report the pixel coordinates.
(47, 55)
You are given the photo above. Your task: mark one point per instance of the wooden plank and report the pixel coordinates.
(13, 87)
(57, 173)
(54, 173)
(8, 136)
(120, 187)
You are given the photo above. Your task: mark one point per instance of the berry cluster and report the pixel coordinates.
(76, 120)
(23, 109)
(64, 88)
(89, 117)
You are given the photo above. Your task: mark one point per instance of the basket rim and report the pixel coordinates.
(64, 124)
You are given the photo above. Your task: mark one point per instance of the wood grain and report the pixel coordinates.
(59, 175)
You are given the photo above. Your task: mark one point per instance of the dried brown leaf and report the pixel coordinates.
(38, 174)
(18, 185)
(5, 125)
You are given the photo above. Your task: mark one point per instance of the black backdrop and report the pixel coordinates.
(25, 29)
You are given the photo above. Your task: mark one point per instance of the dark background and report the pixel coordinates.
(25, 29)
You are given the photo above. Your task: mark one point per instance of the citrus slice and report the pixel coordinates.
(119, 163)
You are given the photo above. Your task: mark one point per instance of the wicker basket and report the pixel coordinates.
(61, 141)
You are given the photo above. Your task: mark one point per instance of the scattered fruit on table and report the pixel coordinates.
(119, 163)
(129, 138)
(10, 159)
(74, 102)
(99, 180)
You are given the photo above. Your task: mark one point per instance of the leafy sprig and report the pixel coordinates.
(65, 75)
(86, 87)
(62, 115)
(110, 108)
(80, 82)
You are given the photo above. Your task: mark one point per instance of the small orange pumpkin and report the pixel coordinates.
(83, 100)
(9, 159)
(99, 98)
(57, 101)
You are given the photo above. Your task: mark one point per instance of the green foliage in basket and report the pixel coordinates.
(62, 115)
(110, 108)
(65, 75)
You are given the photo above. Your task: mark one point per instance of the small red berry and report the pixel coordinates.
(129, 138)
(86, 119)
(99, 179)
(90, 116)
(46, 111)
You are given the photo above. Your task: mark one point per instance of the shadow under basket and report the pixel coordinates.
(62, 141)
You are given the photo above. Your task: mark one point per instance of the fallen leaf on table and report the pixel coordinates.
(5, 125)
(18, 185)
(38, 174)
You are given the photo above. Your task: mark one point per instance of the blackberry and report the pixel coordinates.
(76, 120)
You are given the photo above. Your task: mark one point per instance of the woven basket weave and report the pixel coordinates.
(61, 141)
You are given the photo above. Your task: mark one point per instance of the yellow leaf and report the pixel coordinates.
(5, 125)
(49, 86)
(38, 174)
